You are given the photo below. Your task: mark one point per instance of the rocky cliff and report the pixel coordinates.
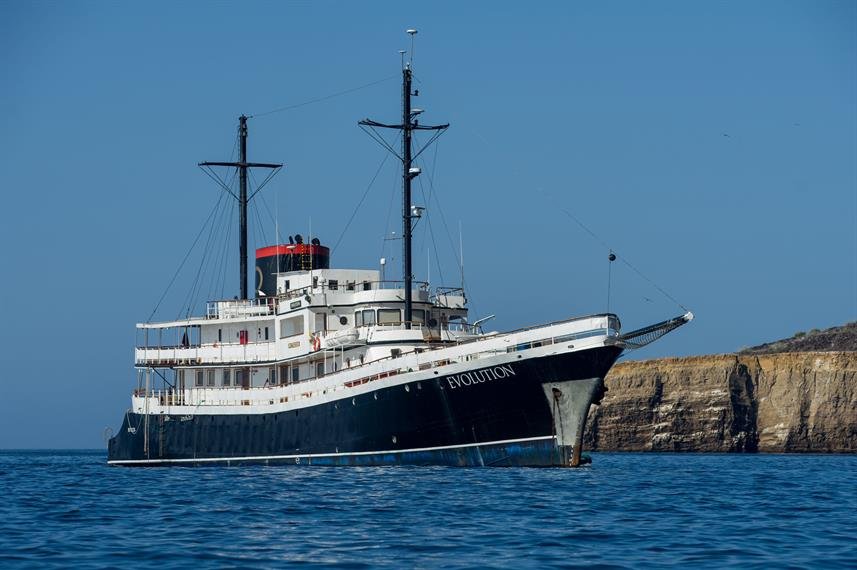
(780, 402)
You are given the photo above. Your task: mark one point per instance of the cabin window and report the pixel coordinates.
(367, 286)
(180, 379)
(296, 374)
(286, 285)
(266, 333)
(418, 316)
(209, 377)
(227, 377)
(349, 285)
(273, 377)
(292, 326)
(389, 316)
(284, 374)
(358, 319)
(319, 369)
(333, 284)
(314, 282)
(219, 335)
(368, 317)
(199, 378)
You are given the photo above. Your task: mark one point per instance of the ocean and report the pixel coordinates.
(68, 509)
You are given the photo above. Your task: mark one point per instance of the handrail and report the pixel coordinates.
(173, 394)
(546, 341)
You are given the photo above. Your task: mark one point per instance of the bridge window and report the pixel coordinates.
(365, 317)
(199, 378)
(273, 377)
(389, 316)
(227, 377)
(292, 326)
(209, 377)
(418, 316)
(319, 369)
(296, 373)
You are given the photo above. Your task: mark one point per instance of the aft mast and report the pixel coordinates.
(409, 172)
(242, 198)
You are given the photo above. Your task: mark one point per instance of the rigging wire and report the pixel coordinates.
(434, 194)
(379, 138)
(393, 195)
(427, 199)
(192, 294)
(256, 207)
(443, 219)
(270, 214)
(323, 98)
(221, 247)
(612, 250)
(260, 233)
(184, 260)
(229, 228)
(360, 203)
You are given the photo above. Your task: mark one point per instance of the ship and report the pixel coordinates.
(341, 367)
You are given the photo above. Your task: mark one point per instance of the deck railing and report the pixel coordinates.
(351, 376)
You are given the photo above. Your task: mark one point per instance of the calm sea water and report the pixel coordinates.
(69, 509)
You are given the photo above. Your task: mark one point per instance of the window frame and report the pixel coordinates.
(388, 312)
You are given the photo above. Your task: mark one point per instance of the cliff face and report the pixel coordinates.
(785, 402)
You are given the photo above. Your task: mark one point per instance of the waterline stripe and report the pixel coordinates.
(313, 455)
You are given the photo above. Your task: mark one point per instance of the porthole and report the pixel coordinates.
(343, 320)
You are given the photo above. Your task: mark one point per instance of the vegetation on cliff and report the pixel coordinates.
(834, 339)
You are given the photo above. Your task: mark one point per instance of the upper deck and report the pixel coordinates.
(328, 309)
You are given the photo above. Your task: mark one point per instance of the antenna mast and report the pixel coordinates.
(409, 172)
(242, 198)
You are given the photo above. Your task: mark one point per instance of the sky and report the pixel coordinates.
(711, 146)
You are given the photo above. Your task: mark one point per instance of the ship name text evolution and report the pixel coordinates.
(480, 376)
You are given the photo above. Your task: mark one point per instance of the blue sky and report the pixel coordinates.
(711, 145)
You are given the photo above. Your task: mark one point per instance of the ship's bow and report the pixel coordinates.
(570, 402)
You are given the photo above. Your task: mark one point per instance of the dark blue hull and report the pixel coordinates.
(438, 421)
